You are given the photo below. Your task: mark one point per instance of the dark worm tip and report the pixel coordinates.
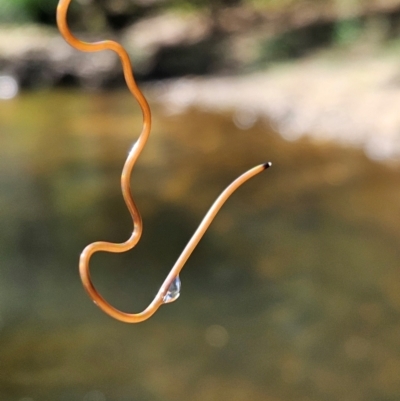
(266, 165)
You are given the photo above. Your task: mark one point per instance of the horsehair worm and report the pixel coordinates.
(169, 290)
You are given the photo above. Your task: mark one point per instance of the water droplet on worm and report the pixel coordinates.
(174, 291)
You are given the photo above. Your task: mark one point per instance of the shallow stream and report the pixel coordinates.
(293, 294)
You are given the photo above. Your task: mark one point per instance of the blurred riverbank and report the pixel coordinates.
(351, 100)
(330, 79)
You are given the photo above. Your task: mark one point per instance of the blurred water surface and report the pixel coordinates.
(293, 294)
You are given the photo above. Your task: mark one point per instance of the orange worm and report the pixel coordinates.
(165, 293)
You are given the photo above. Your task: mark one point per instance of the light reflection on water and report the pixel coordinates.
(293, 294)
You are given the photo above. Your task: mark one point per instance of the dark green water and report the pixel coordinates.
(293, 294)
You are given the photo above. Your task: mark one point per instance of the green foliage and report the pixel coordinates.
(296, 43)
(202, 4)
(12, 11)
(348, 31)
(25, 10)
(271, 4)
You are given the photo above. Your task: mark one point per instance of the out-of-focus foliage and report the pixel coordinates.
(43, 10)
(170, 38)
(27, 10)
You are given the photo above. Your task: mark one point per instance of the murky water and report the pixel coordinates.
(293, 294)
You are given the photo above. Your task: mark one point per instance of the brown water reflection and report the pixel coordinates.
(293, 294)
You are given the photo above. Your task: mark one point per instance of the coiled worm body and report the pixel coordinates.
(102, 246)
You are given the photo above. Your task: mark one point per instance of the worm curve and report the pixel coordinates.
(102, 246)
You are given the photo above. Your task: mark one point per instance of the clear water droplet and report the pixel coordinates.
(174, 291)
